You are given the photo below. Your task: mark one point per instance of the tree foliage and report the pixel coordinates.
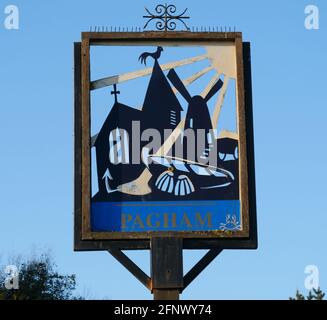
(315, 294)
(39, 280)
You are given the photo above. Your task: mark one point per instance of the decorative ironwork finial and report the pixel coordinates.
(166, 16)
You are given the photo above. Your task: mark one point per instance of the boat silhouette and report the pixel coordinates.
(182, 177)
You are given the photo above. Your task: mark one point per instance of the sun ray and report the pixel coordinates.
(210, 84)
(194, 77)
(108, 81)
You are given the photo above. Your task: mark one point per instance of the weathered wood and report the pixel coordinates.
(77, 147)
(166, 262)
(86, 154)
(165, 294)
(242, 147)
(105, 38)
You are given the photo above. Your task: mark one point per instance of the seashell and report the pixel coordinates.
(180, 186)
(165, 182)
(184, 186)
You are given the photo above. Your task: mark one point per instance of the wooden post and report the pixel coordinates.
(166, 267)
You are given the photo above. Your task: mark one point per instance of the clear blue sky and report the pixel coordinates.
(289, 89)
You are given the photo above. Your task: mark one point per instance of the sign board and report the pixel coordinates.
(163, 140)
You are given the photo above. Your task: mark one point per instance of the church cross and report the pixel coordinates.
(115, 92)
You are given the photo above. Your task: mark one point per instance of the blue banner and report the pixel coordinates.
(166, 216)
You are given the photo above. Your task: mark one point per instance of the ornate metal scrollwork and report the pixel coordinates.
(165, 14)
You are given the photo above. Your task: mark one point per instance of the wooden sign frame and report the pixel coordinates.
(84, 238)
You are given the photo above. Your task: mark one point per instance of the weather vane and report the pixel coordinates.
(167, 17)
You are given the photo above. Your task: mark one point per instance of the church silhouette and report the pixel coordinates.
(161, 110)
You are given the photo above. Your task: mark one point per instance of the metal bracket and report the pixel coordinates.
(167, 280)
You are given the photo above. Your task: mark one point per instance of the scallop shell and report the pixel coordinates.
(180, 186)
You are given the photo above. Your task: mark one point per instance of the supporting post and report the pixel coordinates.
(167, 281)
(166, 267)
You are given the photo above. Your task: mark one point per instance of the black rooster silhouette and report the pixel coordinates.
(154, 55)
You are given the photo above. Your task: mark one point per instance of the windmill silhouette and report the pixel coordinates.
(198, 116)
